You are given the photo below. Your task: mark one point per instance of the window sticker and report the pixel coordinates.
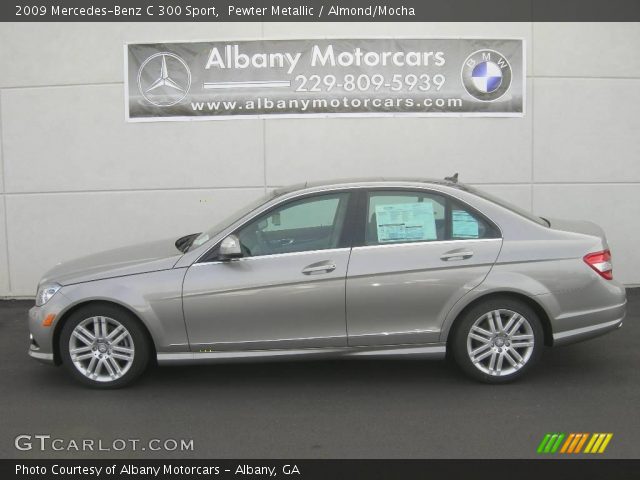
(406, 222)
(464, 225)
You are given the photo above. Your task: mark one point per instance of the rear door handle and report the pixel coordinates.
(456, 255)
(321, 267)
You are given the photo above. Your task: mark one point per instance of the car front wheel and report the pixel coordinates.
(498, 340)
(104, 347)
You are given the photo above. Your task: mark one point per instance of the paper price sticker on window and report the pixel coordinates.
(405, 222)
(464, 225)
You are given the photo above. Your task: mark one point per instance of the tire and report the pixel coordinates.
(104, 361)
(498, 340)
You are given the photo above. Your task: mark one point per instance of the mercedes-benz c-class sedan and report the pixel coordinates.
(362, 269)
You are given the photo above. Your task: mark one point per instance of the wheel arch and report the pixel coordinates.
(94, 302)
(537, 307)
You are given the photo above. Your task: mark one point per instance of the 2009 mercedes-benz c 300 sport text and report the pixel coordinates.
(364, 269)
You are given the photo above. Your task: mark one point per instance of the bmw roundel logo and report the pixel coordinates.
(486, 75)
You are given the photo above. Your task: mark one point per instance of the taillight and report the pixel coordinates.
(601, 263)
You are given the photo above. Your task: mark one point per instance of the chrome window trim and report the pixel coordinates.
(448, 196)
(428, 188)
(271, 255)
(427, 242)
(260, 210)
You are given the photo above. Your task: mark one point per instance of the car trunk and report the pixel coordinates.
(579, 226)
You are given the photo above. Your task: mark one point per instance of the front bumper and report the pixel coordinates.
(34, 352)
(41, 337)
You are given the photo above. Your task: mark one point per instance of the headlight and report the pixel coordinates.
(45, 292)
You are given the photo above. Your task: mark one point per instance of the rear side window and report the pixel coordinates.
(404, 217)
(466, 224)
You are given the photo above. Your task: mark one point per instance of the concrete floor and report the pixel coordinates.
(346, 409)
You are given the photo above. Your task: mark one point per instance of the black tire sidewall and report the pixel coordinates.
(466, 320)
(132, 324)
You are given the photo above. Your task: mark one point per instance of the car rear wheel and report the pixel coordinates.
(104, 347)
(498, 340)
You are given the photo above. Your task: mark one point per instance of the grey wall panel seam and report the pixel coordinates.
(4, 180)
(136, 190)
(531, 76)
(533, 126)
(63, 85)
(6, 241)
(4, 199)
(264, 154)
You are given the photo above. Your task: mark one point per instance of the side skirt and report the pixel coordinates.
(429, 351)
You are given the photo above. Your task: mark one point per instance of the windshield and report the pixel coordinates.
(520, 211)
(220, 226)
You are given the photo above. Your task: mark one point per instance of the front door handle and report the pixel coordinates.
(321, 267)
(456, 255)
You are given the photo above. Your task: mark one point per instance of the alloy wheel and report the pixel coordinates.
(500, 342)
(101, 349)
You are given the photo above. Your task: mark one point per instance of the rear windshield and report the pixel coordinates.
(520, 211)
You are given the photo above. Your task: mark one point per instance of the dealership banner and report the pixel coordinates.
(327, 78)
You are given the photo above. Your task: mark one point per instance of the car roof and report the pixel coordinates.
(365, 182)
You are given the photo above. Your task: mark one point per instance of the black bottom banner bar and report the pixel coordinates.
(583, 469)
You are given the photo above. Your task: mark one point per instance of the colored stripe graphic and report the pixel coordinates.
(581, 443)
(573, 443)
(543, 443)
(551, 442)
(568, 442)
(598, 442)
(556, 445)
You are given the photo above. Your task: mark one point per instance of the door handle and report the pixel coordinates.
(456, 255)
(319, 268)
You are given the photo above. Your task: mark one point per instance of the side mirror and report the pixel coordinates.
(230, 248)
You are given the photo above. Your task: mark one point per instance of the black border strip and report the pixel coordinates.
(582, 469)
(422, 10)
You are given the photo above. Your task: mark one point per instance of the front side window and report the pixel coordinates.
(313, 223)
(404, 217)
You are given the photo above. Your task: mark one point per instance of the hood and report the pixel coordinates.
(578, 226)
(141, 258)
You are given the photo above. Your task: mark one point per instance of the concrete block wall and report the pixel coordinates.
(76, 179)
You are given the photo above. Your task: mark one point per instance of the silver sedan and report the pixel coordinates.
(361, 269)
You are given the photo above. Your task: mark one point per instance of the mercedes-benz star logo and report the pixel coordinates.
(164, 79)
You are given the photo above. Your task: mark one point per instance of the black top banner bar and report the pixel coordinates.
(320, 10)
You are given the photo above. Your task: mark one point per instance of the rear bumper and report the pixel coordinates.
(592, 323)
